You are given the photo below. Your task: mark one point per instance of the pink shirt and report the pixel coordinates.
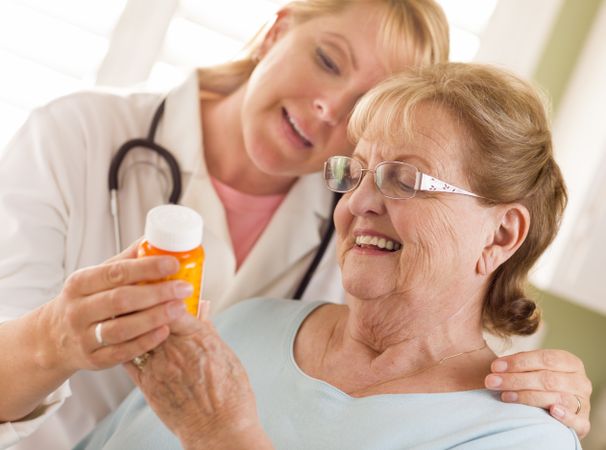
(247, 216)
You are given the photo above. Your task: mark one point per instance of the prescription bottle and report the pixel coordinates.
(177, 231)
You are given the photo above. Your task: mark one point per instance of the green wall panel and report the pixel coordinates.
(565, 45)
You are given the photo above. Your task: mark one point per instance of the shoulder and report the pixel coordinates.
(96, 119)
(491, 423)
(101, 108)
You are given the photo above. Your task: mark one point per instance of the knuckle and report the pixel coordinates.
(208, 331)
(520, 362)
(588, 387)
(238, 370)
(575, 361)
(72, 283)
(549, 358)
(514, 383)
(71, 315)
(115, 273)
(550, 381)
(118, 300)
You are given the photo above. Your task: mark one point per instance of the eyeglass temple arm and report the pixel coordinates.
(431, 184)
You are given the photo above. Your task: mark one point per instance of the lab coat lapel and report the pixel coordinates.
(181, 117)
(179, 128)
(181, 132)
(292, 234)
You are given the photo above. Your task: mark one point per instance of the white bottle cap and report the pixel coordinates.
(174, 228)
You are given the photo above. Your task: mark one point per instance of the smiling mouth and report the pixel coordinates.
(299, 133)
(388, 245)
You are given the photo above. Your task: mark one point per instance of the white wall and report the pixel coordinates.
(517, 34)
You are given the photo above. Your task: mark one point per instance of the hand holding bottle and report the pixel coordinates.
(109, 313)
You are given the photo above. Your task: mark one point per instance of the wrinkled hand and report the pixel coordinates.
(548, 379)
(135, 316)
(200, 390)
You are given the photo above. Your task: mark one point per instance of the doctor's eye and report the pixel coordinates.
(326, 62)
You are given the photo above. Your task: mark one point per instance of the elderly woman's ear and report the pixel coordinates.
(511, 227)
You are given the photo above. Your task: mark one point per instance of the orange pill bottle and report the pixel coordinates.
(177, 230)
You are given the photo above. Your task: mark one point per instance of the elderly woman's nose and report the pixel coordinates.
(366, 198)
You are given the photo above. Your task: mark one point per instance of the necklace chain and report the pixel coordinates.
(441, 361)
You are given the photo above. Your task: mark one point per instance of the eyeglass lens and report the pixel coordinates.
(393, 179)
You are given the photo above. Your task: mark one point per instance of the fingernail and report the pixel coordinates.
(204, 308)
(558, 412)
(183, 289)
(499, 366)
(176, 309)
(509, 396)
(169, 265)
(493, 381)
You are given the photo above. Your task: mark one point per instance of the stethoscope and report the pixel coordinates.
(149, 144)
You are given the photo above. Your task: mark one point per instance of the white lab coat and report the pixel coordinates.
(55, 219)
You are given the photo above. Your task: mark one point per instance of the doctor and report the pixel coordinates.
(249, 138)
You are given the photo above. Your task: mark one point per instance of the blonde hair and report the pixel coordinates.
(415, 28)
(509, 158)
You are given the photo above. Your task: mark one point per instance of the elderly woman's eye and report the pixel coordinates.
(405, 186)
(326, 62)
(403, 182)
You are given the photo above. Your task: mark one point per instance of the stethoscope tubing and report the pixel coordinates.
(116, 162)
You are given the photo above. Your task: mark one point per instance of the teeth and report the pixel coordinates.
(297, 129)
(378, 242)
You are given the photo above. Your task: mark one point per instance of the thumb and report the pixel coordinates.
(203, 310)
(128, 253)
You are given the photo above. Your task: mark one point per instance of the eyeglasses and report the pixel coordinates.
(394, 179)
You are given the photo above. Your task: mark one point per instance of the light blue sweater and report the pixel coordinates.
(300, 412)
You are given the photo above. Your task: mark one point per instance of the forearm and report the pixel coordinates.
(28, 368)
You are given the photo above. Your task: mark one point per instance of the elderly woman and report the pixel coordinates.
(450, 197)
